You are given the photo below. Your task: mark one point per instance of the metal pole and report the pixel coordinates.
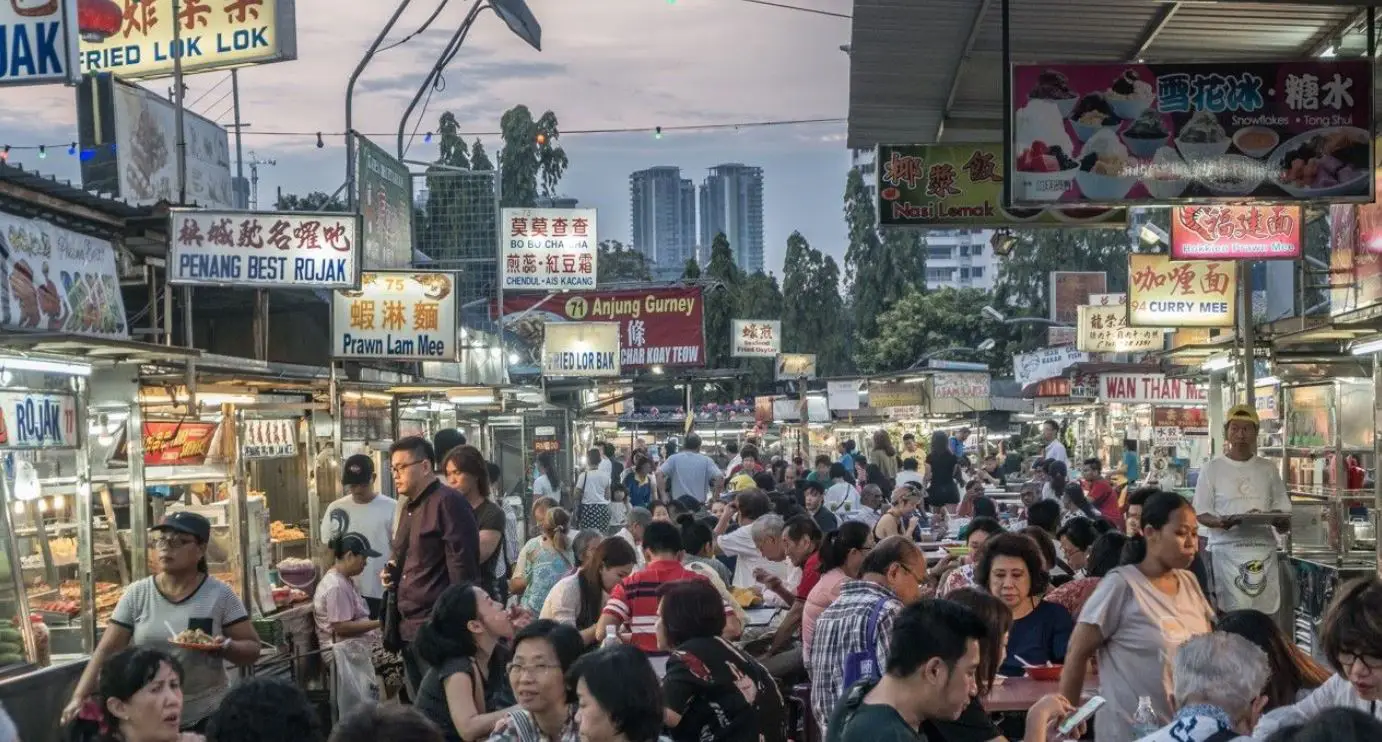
(86, 555)
(239, 505)
(1245, 330)
(167, 307)
(1007, 96)
(239, 144)
(350, 103)
(178, 107)
(447, 54)
(187, 317)
(12, 555)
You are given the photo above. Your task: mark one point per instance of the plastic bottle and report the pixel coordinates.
(1144, 721)
(612, 639)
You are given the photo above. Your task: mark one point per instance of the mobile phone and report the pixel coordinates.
(1081, 714)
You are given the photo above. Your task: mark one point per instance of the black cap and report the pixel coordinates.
(445, 440)
(186, 522)
(358, 469)
(354, 543)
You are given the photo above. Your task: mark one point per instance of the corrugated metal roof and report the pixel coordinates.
(905, 55)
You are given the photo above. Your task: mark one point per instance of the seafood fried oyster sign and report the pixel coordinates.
(1236, 232)
(258, 249)
(396, 315)
(753, 338)
(549, 249)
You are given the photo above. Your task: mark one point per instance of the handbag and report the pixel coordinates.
(393, 618)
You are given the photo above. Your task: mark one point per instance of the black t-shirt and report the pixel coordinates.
(431, 694)
(722, 694)
(856, 721)
(490, 517)
(974, 725)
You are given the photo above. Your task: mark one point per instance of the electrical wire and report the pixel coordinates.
(215, 104)
(426, 24)
(208, 91)
(800, 9)
(437, 85)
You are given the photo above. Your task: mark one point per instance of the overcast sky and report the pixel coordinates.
(605, 64)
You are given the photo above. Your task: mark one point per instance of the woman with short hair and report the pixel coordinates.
(542, 653)
(466, 689)
(1012, 570)
(618, 695)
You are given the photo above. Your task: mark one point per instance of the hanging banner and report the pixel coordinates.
(545, 439)
(952, 385)
(896, 394)
(581, 349)
(1189, 420)
(549, 249)
(269, 439)
(755, 338)
(1155, 388)
(40, 46)
(56, 280)
(260, 249)
(1105, 330)
(396, 315)
(1029, 368)
(1113, 134)
(946, 185)
(796, 366)
(1181, 293)
(137, 43)
(1355, 257)
(657, 327)
(180, 443)
(1236, 232)
(843, 395)
(1071, 289)
(36, 420)
(384, 190)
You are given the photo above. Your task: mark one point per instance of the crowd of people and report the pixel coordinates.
(623, 618)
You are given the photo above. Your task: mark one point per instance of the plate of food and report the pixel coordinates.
(1332, 161)
(196, 640)
(1259, 518)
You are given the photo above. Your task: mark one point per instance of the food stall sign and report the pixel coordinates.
(1181, 293)
(1084, 386)
(1105, 330)
(545, 439)
(59, 281)
(1057, 388)
(269, 439)
(581, 349)
(396, 315)
(1061, 335)
(896, 395)
(1128, 388)
(1188, 420)
(384, 190)
(1149, 134)
(755, 338)
(843, 395)
(37, 420)
(1236, 232)
(796, 366)
(658, 327)
(1163, 437)
(1265, 400)
(1029, 368)
(1107, 300)
(1071, 289)
(943, 185)
(959, 386)
(214, 34)
(261, 249)
(44, 46)
(549, 249)
(181, 443)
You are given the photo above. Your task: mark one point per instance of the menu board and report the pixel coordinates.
(180, 443)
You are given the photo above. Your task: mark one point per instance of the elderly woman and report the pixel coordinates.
(1011, 569)
(1218, 680)
(1353, 643)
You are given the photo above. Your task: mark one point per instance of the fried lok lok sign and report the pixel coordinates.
(1180, 293)
(1139, 388)
(1233, 232)
(134, 39)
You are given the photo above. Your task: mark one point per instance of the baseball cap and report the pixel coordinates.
(1242, 412)
(741, 482)
(186, 522)
(358, 469)
(354, 543)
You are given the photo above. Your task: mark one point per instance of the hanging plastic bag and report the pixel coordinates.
(356, 682)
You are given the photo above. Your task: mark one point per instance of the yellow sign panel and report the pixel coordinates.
(211, 34)
(896, 395)
(1181, 293)
(1105, 330)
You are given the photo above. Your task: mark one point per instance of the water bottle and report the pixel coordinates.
(1144, 721)
(612, 640)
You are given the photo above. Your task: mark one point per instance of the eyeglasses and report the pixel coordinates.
(910, 572)
(173, 542)
(533, 671)
(1347, 660)
(400, 468)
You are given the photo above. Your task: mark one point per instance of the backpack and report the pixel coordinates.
(864, 664)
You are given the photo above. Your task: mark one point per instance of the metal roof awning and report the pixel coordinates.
(95, 350)
(931, 71)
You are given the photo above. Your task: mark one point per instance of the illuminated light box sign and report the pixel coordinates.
(1181, 293)
(212, 34)
(262, 249)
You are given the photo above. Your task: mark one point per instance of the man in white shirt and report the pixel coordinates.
(870, 507)
(367, 514)
(1050, 433)
(1243, 565)
(909, 471)
(757, 542)
(606, 468)
(632, 532)
(841, 496)
(689, 473)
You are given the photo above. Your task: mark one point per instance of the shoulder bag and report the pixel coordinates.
(393, 618)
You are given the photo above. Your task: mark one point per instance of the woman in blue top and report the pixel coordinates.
(1132, 463)
(1012, 570)
(638, 482)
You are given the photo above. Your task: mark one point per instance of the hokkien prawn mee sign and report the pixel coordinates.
(1236, 232)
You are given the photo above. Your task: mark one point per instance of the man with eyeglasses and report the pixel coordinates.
(437, 544)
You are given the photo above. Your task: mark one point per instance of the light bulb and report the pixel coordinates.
(42, 505)
(19, 508)
(59, 502)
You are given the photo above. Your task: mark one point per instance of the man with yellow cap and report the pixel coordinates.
(1243, 564)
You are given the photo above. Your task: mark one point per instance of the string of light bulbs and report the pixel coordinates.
(657, 132)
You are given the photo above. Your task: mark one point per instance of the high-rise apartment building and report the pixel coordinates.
(732, 203)
(960, 258)
(663, 209)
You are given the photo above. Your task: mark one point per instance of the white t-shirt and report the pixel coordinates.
(739, 543)
(906, 475)
(1056, 450)
(542, 487)
(594, 486)
(1228, 487)
(606, 468)
(842, 497)
(372, 521)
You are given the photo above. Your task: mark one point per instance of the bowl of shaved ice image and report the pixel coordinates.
(1104, 172)
(1129, 96)
(1055, 87)
(1045, 164)
(1166, 176)
(1202, 138)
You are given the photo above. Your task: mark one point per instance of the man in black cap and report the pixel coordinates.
(368, 515)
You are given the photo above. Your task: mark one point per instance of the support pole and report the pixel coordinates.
(178, 105)
(1245, 331)
(350, 103)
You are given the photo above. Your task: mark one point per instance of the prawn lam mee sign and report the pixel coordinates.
(396, 315)
(1151, 133)
(1233, 232)
(1181, 293)
(663, 327)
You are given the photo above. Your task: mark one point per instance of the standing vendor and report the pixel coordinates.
(1243, 557)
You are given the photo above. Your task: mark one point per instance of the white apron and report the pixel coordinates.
(1246, 575)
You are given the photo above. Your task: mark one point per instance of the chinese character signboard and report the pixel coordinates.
(658, 327)
(896, 395)
(269, 439)
(938, 185)
(1222, 131)
(1355, 258)
(212, 34)
(30, 420)
(1084, 386)
(1070, 289)
(549, 249)
(1153, 388)
(1190, 420)
(951, 385)
(1107, 300)
(545, 439)
(385, 195)
(1236, 232)
(129, 140)
(795, 366)
(1105, 330)
(1029, 368)
(581, 349)
(1181, 293)
(181, 443)
(39, 45)
(58, 281)
(396, 315)
(754, 338)
(259, 249)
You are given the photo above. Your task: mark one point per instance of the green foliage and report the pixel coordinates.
(617, 263)
(1023, 282)
(692, 270)
(314, 201)
(812, 309)
(720, 302)
(925, 323)
(881, 267)
(531, 162)
(479, 159)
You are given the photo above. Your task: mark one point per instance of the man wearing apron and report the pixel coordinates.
(1244, 568)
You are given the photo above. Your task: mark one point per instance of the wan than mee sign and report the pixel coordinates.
(1181, 293)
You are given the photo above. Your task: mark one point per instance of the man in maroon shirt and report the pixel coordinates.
(438, 539)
